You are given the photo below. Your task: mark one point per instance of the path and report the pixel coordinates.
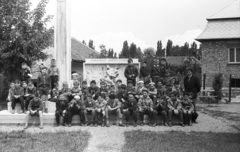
(112, 139)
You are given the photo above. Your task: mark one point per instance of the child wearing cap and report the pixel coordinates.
(118, 86)
(140, 87)
(93, 90)
(35, 107)
(131, 72)
(130, 87)
(74, 78)
(100, 109)
(174, 108)
(44, 86)
(187, 109)
(114, 105)
(152, 91)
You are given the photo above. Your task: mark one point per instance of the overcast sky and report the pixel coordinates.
(143, 22)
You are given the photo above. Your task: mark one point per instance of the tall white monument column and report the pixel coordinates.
(62, 40)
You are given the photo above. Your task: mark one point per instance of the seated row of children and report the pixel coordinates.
(124, 100)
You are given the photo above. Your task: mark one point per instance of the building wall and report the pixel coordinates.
(215, 60)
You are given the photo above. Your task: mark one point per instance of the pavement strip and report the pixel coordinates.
(111, 139)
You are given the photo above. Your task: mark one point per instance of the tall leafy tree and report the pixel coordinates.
(169, 48)
(125, 50)
(23, 33)
(90, 44)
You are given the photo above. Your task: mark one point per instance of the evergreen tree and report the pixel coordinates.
(169, 48)
(90, 44)
(83, 42)
(125, 50)
(160, 51)
(133, 51)
(115, 55)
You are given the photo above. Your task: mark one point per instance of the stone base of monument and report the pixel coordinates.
(7, 118)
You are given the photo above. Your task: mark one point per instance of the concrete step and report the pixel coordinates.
(49, 118)
(51, 107)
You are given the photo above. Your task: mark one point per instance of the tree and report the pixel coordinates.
(160, 51)
(115, 55)
(125, 50)
(83, 42)
(169, 48)
(133, 51)
(24, 34)
(103, 52)
(90, 44)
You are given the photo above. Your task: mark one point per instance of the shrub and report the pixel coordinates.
(217, 86)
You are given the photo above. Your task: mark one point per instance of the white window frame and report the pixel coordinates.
(235, 56)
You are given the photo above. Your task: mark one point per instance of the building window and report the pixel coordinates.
(235, 83)
(234, 55)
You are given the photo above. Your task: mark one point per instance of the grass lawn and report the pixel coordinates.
(176, 141)
(43, 142)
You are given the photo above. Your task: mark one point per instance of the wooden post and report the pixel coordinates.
(230, 89)
(204, 83)
(62, 41)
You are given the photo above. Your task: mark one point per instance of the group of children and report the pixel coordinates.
(94, 104)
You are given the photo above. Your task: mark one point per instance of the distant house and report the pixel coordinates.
(221, 45)
(79, 51)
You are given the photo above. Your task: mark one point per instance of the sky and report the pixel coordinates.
(143, 22)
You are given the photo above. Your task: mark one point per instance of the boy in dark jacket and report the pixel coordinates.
(44, 86)
(61, 109)
(18, 93)
(131, 72)
(130, 108)
(30, 94)
(93, 90)
(35, 107)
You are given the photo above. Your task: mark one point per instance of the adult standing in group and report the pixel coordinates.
(192, 86)
(131, 72)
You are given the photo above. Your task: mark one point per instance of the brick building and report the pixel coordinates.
(221, 45)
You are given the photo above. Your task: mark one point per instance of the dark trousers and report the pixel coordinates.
(163, 114)
(129, 113)
(20, 100)
(73, 112)
(151, 115)
(27, 100)
(99, 116)
(180, 115)
(156, 79)
(194, 116)
(92, 113)
(187, 117)
(54, 80)
(59, 114)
